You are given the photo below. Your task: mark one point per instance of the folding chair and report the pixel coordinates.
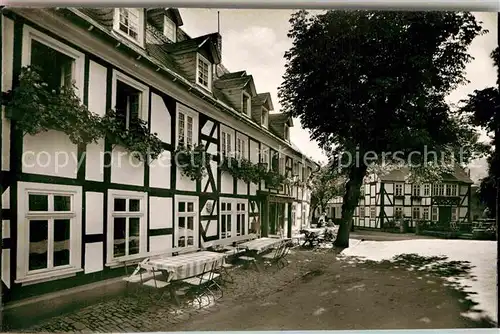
(155, 282)
(139, 276)
(277, 257)
(205, 283)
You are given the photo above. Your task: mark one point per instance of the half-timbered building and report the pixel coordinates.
(69, 224)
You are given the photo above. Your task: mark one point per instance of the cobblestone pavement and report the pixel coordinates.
(138, 313)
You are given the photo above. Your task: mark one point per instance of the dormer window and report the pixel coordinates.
(246, 106)
(264, 120)
(204, 72)
(287, 133)
(169, 29)
(130, 23)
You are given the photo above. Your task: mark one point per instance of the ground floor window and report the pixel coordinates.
(398, 212)
(186, 221)
(233, 217)
(454, 214)
(416, 213)
(241, 214)
(426, 214)
(127, 230)
(49, 229)
(225, 219)
(373, 212)
(434, 216)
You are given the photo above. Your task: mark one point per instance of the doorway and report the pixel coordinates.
(444, 215)
(276, 217)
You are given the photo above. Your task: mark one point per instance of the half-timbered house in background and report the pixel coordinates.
(390, 197)
(66, 225)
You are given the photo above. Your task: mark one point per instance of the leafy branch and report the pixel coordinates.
(193, 161)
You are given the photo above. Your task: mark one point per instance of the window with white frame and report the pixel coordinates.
(187, 124)
(241, 147)
(427, 190)
(241, 218)
(282, 164)
(58, 64)
(130, 23)
(426, 214)
(264, 119)
(435, 189)
(448, 189)
(227, 141)
(301, 172)
(454, 189)
(398, 212)
(416, 213)
(169, 29)
(440, 189)
(130, 99)
(203, 72)
(416, 190)
(226, 215)
(246, 104)
(264, 156)
(361, 212)
(454, 214)
(49, 236)
(373, 212)
(127, 230)
(398, 189)
(186, 222)
(434, 213)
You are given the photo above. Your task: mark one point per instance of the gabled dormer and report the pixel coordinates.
(130, 23)
(261, 106)
(280, 124)
(165, 20)
(239, 89)
(197, 57)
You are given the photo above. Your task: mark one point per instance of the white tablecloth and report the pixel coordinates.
(262, 244)
(186, 265)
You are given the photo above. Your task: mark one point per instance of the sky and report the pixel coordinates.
(256, 40)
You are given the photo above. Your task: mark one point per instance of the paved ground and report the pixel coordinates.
(315, 291)
(385, 236)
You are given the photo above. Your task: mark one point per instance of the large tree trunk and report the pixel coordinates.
(350, 201)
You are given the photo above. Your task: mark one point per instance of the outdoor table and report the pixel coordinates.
(262, 244)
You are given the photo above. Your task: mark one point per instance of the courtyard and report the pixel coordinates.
(320, 289)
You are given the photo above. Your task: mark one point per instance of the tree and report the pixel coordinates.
(325, 185)
(483, 109)
(368, 85)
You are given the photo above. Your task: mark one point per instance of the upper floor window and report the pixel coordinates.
(454, 190)
(427, 189)
(246, 104)
(130, 23)
(264, 156)
(416, 190)
(264, 120)
(282, 165)
(187, 121)
(169, 29)
(203, 72)
(130, 99)
(227, 141)
(241, 144)
(398, 189)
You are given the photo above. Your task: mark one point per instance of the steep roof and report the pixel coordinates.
(399, 175)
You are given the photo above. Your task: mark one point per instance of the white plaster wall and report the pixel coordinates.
(212, 148)
(160, 212)
(160, 243)
(207, 128)
(242, 187)
(50, 153)
(463, 190)
(183, 182)
(407, 211)
(97, 88)
(94, 206)
(254, 152)
(126, 169)
(6, 267)
(227, 186)
(212, 229)
(94, 163)
(161, 121)
(94, 257)
(407, 188)
(6, 199)
(389, 188)
(159, 171)
(389, 211)
(407, 200)
(462, 212)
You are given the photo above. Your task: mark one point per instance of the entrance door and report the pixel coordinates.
(444, 215)
(273, 215)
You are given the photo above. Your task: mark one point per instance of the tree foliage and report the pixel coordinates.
(325, 185)
(375, 83)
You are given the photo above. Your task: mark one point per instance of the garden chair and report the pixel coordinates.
(205, 284)
(277, 257)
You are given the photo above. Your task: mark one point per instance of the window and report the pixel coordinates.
(264, 156)
(448, 190)
(130, 99)
(282, 164)
(49, 236)
(301, 173)
(241, 221)
(287, 133)
(416, 190)
(186, 222)
(398, 189)
(416, 213)
(246, 104)
(225, 222)
(440, 189)
(264, 120)
(128, 224)
(130, 23)
(169, 29)
(398, 212)
(373, 212)
(241, 144)
(454, 214)
(187, 123)
(427, 190)
(454, 189)
(361, 211)
(204, 72)
(426, 214)
(434, 213)
(58, 64)
(435, 189)
(275, 162)
(227, 141)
